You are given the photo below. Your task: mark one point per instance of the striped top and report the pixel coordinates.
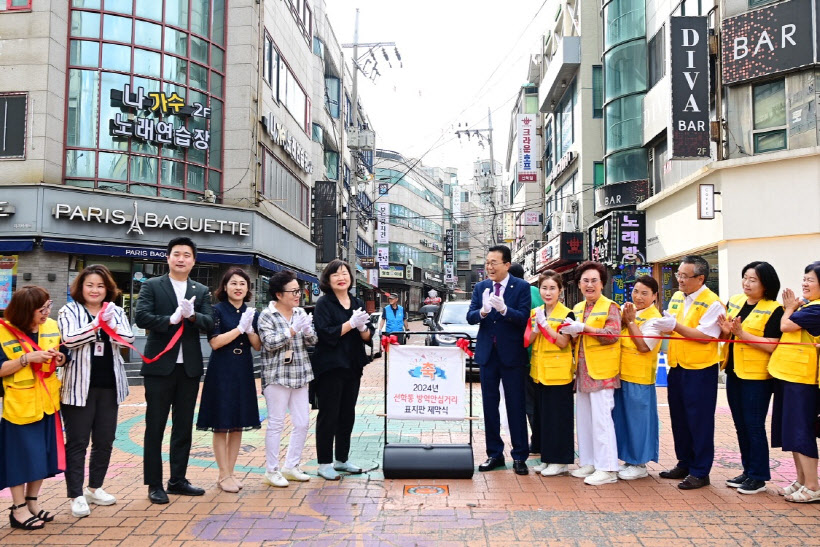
(79, 337)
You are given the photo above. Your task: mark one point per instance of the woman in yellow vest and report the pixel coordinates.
(752, 316)
(794, 368)
(28, 428)
(636, 403)
(551, 370)
(598, 360)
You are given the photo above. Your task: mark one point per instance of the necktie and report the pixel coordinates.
(497, 289)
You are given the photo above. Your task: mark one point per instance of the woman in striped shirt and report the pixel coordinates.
(94, 383)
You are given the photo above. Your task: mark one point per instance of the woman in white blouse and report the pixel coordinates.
(94, 383)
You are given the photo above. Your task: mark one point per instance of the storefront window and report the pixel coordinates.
(623, 20)
(769, 116)
(624, 123)
(625, 70)
(626, 165)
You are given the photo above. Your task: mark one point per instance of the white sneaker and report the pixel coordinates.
(555, 469)
(633, 472)
(347, 467)
(295, 474)
(79, 507)
(99, 497)
(601, 477)
(623, 467)
(540, 467)
(275, 478)
(583, 471)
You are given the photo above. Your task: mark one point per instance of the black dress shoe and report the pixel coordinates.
(157, 495)
(491, 464)
(692, 483)
(520, 467)
(182, 487)
(676, 473)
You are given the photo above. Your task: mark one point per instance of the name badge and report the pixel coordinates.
(99, 349)
(288, 356)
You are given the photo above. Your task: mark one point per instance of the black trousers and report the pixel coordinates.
(95, 422)
(337, 391)
(179, 392)
(533, 415)
(556, 405)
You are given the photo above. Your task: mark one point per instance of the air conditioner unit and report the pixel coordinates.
(568, 222)
(556, 224)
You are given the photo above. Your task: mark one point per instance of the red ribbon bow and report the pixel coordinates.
(464, 344)
(116, 337)
(387, 340)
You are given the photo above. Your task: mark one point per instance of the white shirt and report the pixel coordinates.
(708, 322)
(649, 329)
(180, 288)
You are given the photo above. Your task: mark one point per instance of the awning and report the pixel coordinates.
(73, 247)
(16, 245)
(275, 267)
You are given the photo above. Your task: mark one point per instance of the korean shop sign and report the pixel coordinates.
(619, 237)
(527, 152)
(153, 130)
(688, 134)
(282, 137)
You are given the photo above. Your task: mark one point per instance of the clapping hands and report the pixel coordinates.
(573, 328)
(540, 317)
(667, 323)
(109, 315)
(246, 321)
(359, 320)
(187, 307)
(485, 302)
(302, 323)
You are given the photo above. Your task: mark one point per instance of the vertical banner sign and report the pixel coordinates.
(457, 203)
(383, 235)
(383, 256)
(425, 383)
(527, 153)
(8, 276)
(448, 245)
(689, 131)
(509, 227)
(630, 237)
(599, 236)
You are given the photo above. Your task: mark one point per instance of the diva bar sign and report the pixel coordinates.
(688, 133)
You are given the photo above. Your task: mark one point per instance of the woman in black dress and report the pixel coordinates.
(228, 404)
(343, 328)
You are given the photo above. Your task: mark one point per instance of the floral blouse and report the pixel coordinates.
(584, 382)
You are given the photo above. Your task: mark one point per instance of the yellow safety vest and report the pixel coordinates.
(603, 360)
(27, 400)
(636, 366)
(796, 364)
(551, 365)
(751, 363)
(687, 354)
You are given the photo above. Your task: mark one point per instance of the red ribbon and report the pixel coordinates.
(119, 339)
(388, 340)
(38, 371)
(684, 338)
(464, 344)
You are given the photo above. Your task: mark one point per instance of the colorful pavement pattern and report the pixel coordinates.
(495, 508)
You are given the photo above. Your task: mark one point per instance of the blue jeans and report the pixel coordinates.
(749, 402)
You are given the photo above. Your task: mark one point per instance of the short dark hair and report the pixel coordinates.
(221, 292)
(24, 302)
(592, 265)
(506, 254)
(767, 276)
(700, 264)
(813, 267)
(278, 281)
(112, 292)
(650, 282)
(516, 270)
(333, 267)
(182, 240)
(551, 274)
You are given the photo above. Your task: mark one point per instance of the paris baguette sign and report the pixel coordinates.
(138, 222)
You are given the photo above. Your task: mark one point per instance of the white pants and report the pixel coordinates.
(596, 430)
(281, 399)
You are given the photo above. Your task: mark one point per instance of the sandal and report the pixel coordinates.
(791, 489)
(804, 495)
(45, 516)
(29, 524)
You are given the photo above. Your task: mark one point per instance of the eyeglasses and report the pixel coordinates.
(46, 308)
(590, 281)
(294, 292)
(494, 264)
(684, 277)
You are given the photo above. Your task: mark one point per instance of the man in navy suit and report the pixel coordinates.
(501, 306)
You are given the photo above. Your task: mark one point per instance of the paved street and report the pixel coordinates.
(493, 508)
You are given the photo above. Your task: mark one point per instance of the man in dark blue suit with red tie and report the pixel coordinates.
(501, 307)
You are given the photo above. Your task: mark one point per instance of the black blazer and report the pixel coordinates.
(156, 304)
(332, 349)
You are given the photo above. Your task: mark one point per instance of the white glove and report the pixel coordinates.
(667, 323)
(573, 328)
(298, 323)
(177, 315)
(540, 317)
(498, 304)
(246, 321)
(110, 315)
(187, 307)
(307, 324)
(485, 302)
(359, 320)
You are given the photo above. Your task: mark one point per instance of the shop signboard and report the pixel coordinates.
(392, 272)
(688, 134)
(563, 248)
(618, 238)
(599, 247)
(367, 261)
(154, 130)
(509, 226)
(531, 218)
(449, 273)
(769, 40)
(373, 277)
(448, 245)
(382, 256)
(384, 188)
(8, 277)
(432, 277)
(283, 138)
(527, 148)
(622, 194)
(382, 225)
(456, 203)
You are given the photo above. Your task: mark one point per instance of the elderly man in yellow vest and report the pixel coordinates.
(693, 313)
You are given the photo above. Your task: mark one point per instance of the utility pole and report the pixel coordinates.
(490, 189)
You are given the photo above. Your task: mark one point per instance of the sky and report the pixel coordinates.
(460, 57)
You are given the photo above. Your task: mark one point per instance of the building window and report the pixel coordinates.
(15, 5)
(757, 3)
(363, 248)
(598, 174)
(346, 175)
(12, 125)
(284, 189)
(597, 91)
(304, 17)
(564, 133)
(331, 165)
(769, 104)
(624, 20)
(289, 92)
(548, 152)
(625, 70)
(624, 123)
(267, 70)
(348, 112)
(332, 90)
(656, 58)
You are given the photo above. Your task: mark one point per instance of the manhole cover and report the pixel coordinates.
(426, 490)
